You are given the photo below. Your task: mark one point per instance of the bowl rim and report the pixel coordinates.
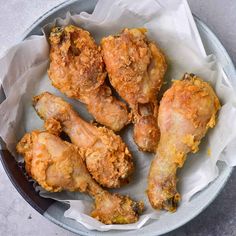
(26, 34)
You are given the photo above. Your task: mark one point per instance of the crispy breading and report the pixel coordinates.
(136, 68)
(77, 69)
(106, 155)
(186, 112)
(57, 165)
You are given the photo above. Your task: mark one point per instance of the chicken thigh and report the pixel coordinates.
(105, 154)
(186, 112)
(57, 165)
(136, 68)
(77, 70)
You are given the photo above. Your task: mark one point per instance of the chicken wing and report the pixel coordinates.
(57, 165)
(136, 68)
(186, 112)
(106, 155)
(77, 69)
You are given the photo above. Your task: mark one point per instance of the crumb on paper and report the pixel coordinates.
(209, 152)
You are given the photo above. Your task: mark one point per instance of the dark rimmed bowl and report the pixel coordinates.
(54, 210)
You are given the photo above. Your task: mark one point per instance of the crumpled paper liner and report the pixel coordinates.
(171, 25)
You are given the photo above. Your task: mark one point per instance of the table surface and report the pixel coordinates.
(18, 218)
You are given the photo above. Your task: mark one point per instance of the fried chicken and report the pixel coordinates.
(136, 68)
(186, 112)
(106, 155)
(57, 165)
(77, 70)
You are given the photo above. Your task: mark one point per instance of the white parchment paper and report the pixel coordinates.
(171, 25)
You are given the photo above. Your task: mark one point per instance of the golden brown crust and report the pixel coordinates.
(186, 112)
(57, 165)
(24, 147)
(146, 127)
(53, 126)
(107, 110)
(76, 65)
(106, 155)
(125, 210)
(77, 69)
(110, 163)
(136, 68)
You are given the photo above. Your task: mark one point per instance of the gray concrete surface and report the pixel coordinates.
(17, 218)
(220, 16)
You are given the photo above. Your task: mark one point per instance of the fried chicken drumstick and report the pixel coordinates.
(186, 112)
(57, 165)
(77, 70)
(136, 68)
(105, 154)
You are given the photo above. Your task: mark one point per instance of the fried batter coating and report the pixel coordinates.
(136, 68)
(106, 155)
(77, 70)
(57, 165)
(186, 112)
